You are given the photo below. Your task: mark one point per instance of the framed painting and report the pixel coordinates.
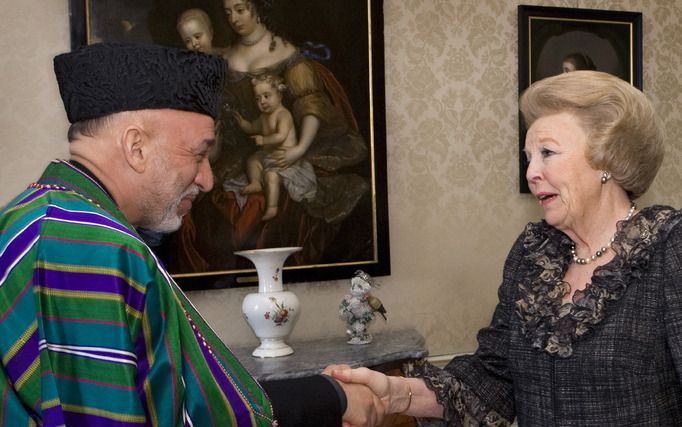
(329, 184)
(554, 40)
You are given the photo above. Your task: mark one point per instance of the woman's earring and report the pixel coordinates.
(605, 176)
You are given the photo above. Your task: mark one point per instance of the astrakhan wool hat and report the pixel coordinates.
(105, 78)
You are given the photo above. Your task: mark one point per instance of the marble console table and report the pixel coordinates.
(389, 350)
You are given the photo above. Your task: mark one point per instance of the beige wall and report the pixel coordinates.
(451, 85)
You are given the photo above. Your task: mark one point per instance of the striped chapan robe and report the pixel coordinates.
(93, 330)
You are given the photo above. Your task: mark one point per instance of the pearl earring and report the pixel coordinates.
(605, 176)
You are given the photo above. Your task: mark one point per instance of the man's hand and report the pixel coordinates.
(364, 407)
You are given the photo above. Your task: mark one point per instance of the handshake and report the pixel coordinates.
(371, 395)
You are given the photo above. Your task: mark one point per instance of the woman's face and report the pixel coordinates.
(241, 16)
(567, 66)
(558, 174)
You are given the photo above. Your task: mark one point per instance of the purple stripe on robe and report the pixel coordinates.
(32, 196)
(78, 419)
(18, 246)
(59, 213)
(53, 416)
(241, 411)
(22, 359)
(91, 282)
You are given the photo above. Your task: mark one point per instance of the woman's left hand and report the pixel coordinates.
(285, 157)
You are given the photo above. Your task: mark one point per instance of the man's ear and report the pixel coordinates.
(135, 145)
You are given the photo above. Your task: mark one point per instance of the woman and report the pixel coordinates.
(327, 138)
(588, 328)
(577, 61)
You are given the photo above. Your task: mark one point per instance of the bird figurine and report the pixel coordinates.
(358, 308)
(376, 305)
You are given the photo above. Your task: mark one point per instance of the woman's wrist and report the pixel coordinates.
(409, 395)
(401, 395)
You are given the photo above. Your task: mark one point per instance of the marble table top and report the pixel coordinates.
(311, 357)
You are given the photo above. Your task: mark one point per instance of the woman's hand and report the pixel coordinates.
(287, 156)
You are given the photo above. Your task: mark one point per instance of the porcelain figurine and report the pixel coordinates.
(359, 308)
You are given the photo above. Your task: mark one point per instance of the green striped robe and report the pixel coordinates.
(93, 330)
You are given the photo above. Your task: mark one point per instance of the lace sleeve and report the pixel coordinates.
(461, 407)
(476, 389)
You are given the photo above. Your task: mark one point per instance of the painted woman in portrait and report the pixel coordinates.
(336, 225)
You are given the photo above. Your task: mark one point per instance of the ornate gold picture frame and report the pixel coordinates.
(336, 77)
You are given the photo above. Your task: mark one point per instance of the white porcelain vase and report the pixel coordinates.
(272, 312)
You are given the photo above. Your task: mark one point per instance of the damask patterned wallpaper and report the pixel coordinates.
(451, 92)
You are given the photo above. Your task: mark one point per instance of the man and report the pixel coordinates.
(93, 330)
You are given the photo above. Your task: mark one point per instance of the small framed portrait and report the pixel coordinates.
(320, 184)
(554, 40)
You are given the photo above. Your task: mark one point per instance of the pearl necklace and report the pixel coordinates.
(603, 249)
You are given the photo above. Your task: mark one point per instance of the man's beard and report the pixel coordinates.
(170, 220)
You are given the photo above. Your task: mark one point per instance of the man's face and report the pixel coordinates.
(179, 169)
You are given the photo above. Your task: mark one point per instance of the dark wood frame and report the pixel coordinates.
(369, 106)
(541, 26)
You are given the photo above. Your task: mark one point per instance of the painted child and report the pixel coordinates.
(196, 31)
(272, 130)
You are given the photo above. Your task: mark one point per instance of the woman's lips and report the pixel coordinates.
(545, 198)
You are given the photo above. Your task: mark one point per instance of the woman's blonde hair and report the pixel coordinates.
(623, 135)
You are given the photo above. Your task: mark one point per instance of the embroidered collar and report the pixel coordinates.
(551, 326)
(67, 176)
(81, 167)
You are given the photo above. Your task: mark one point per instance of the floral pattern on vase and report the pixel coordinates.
(281, 311)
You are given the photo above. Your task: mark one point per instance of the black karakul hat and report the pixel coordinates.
(106, 78)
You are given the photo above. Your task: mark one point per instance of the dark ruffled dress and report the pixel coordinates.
(611, 357)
